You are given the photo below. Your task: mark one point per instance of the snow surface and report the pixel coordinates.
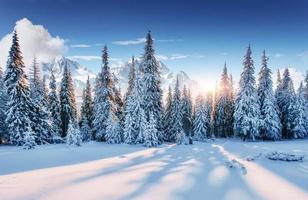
(221, 169)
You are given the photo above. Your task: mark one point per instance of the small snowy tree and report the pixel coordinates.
(54, 106)
(68, 110)
(85, 130)
(176, 128)
(186, 105)
(247, 109)
(300, 123)
(73, 136)
(113, 130)
(200, 128)
(167, 116)
(270, 122)
(151, 139)
(29, 139)
(286, 99)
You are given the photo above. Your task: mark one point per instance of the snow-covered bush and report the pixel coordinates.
(151, 139)
(73, 135)
(29, 139)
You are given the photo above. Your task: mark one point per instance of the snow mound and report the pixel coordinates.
(285, 156)
(235, 164)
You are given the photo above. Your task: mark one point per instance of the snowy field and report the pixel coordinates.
(214, 170)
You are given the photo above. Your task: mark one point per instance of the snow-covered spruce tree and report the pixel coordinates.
(86, 113)
(45, 92)
(186, 104)
(209, 106)
(113, 129)
(19, 103)
(224, 107)
(270, 126)
(131, 80)
(200, 128)
(300, 120)
(73, 136)
(29, 138)
(167, 116)
(3, 109)
(42, 128)
(151, 139)
(104, 100)
(54, 106)
(152, 86)
(118, 104)
(176, 128)
(247, 108)
(285, 96)
(68, 110)
(134, 125)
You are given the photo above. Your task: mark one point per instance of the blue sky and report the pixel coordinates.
(194, 36)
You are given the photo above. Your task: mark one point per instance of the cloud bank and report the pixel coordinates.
(35, 40)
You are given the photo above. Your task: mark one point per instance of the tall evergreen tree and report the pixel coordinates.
(86, 114)
(131, 78)
(118, 104)
(186, 105)
(152, 89)
(200, 124)
(176, 128)
(54, 105)
(285, 96)
(104, 98)
(270, 122)
(224, 107)
(135, 121)
(167, 116)
(42, 127)
(19, 114)
(3, 109)
(247, 109)
(68, 111)
(151, 139)
(300, 117)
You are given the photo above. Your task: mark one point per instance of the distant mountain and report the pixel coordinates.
(81, 73)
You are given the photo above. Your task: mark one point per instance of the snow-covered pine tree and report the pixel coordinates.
(42, 128)
(224, 107)
(306, 87)
(73, 136)
(86, 113)
(151, 139)
(134, 125)
(113, 129)
(29, 138)
(270, 126)
(152, 86)
(68, 110)
(186, 106)
(167, 116)
(104, 98)
(131, 79)
(200, 128)
(54, 106)
(19, 103)
(285, 95)
(300, 120)
(45, 92)
(3, 109)
(118, 104)
(247, 108)
(176, 128)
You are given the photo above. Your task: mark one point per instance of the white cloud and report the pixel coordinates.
(130, 42)
(171, 40)
(80, 46)
(35, 40)
(85, 58)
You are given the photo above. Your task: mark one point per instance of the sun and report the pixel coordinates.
(207, 86)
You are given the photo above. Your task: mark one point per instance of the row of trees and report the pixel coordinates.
(32, 113)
